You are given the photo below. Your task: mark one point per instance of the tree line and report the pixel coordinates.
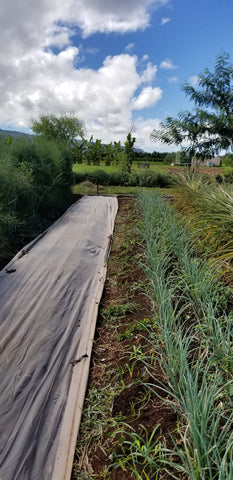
(67, 129)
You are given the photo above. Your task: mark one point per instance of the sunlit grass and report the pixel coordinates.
(87, 188)
(158, 167)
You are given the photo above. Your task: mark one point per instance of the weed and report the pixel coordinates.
(119, 311)
(141, 453)
(96, 417)
(132, 329)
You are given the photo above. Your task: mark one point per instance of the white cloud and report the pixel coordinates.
(149, 73)
(173, 79)
(167, 64)
(35, 80)
(142, 130)
(130, 47)
(148, 97)
(109, 15)
(103, 99)
(165, 20)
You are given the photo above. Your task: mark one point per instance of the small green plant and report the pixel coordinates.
(96, 417)
(141, 453)
(119, 311)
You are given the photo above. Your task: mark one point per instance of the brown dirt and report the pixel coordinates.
(115, 340)
(212, 172)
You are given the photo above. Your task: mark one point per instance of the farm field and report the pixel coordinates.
(163, 347)
(154, 166)
(159, 403)
(159, 176)
(158, 167)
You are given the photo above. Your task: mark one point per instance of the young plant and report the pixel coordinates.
(140, 453)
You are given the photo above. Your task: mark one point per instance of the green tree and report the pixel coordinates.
(118, 153)
(209, 127)
(63, 129)
(108, 153)
(129, 153)
(94, 152)
(79, 150)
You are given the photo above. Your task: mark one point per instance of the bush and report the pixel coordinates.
(228, 174)
(98, 177)
(119, 178)
(145, 179)
(49, 166)
(35, 180)
(219, 178)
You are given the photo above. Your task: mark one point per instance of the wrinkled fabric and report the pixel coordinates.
(45, 299)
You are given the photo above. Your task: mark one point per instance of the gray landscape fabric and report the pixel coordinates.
(45, 299)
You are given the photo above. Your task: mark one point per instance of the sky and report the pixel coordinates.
(117, 65)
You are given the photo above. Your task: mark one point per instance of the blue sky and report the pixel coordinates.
(112, 63)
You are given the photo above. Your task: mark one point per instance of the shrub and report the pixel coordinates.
(145, 179)
(49, 165)
(98, 177)
(228, 174)
(35, 180)
(119, 178)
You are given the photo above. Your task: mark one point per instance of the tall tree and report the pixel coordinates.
(209, 127)
(64, 128)
(129, 153)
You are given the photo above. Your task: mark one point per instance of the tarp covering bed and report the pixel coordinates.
(48, 294)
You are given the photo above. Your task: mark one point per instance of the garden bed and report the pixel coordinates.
(115, 392)
(159, 403)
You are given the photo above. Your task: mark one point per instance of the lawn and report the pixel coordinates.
(158, 167)
(88, 188)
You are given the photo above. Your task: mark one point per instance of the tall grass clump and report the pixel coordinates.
(193, 340)
(211, 207)
(49, 165)
(35, 186)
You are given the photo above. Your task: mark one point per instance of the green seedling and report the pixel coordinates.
(141, 453)
(119, 311)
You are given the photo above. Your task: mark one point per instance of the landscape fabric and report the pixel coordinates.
(47, 294)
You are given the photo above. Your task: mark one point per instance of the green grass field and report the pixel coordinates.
(154, 167)
(88, 188)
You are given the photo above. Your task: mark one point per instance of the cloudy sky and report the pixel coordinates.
(115, 64)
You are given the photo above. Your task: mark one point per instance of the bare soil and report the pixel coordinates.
(212, 172)
(116, 339)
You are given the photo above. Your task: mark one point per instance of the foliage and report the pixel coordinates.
(192, 335)
(227, 175)
(139, 452)
(144, 179)
(209, 127)
(78, 151)
(227, 160)
(108, 153)
(61, 129)
(129, 153)
(35, 186)
(115, 310)
(212, 213)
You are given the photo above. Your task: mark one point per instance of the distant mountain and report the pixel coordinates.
(13, 133)
(138, 150)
